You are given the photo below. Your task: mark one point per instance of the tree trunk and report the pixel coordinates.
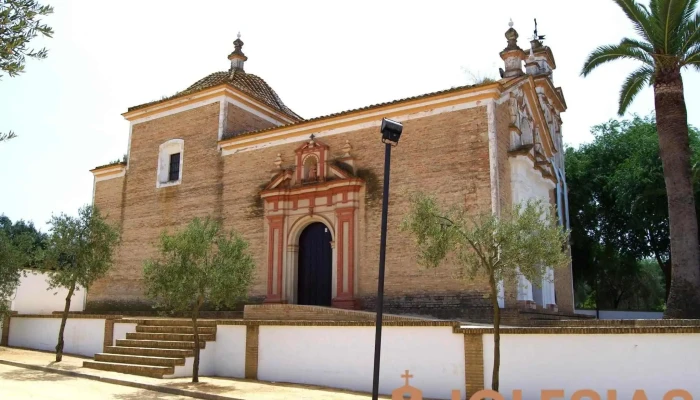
(496, 335)
(195, 315)
(665, 267)
(64, 318)
(674, 149)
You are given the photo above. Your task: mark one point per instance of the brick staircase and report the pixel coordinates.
(156, 349)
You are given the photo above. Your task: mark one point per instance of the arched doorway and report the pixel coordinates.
(315, 267)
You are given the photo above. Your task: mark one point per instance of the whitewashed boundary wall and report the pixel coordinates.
(656, 356)
(655, 363)
(230, 356)
(343, 357)
(82, 336)
(32, 296)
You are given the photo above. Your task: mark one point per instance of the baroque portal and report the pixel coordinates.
(308, 204)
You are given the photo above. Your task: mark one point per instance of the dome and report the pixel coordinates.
(250, 84)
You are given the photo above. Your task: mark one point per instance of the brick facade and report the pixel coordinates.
(446, 153)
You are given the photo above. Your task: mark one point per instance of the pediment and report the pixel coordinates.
(312, 166)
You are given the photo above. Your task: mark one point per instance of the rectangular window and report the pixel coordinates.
(174, 173)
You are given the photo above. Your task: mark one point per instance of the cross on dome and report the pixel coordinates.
(237, 58)
(407, 376)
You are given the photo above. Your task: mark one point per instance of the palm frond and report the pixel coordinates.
(632, 86)
(670, 16)
(691, 33)
(637, 44)
(691, 6)
(693, 56)
(604, 54)
(641, 19)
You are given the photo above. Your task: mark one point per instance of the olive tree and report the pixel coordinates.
(12, 259)
(524, 240)
(79, 252)
(199, 265)
(20, 22)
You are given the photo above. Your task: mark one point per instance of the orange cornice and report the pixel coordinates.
(362, 116)
(206, 94)
(510, 82)
(320, 187)
(108, 169)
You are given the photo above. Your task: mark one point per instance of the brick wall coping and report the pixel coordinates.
(555, 327)
(267, 322)
(258, 310)
(667, 326)
(457, 328)
(131, 320)
(597, 330)
(70, 316)
(622, 322)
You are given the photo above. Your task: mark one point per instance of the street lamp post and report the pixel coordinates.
(391, 132)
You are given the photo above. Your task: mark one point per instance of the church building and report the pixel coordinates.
(307, 193)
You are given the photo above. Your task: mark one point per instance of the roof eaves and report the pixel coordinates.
(107, 166)
(189, 92)
(498, 84)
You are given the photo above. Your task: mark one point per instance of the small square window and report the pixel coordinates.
(174, 172)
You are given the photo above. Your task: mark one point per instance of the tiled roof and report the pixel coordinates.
(370, 107)
(247, 83)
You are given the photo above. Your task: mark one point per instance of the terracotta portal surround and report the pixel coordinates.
(315, 192)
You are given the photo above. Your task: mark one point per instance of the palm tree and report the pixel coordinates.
(670, 42)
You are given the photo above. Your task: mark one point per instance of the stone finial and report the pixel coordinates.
(278, 161)
(347, 148)
(512, 37)
(237, 57)
(512, 55)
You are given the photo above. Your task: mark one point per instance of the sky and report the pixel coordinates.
(320, 57)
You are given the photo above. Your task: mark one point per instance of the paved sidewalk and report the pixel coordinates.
(207, 388)
(25, 384)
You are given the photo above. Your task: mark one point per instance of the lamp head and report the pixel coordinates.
(391, 130)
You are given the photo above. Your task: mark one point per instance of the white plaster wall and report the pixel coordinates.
(33, 298)
(230, 351)
(224, 357)
(623, 314)
(207, 363)
(528, 184)
(343, 357)
(655, 363)
(81, 336)
(120, 330)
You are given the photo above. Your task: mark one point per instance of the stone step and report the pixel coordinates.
(176, 322)
(140, 360)
(133, 369)
(159, 344)
(150, 352)
(168, 336)
(175, 329)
